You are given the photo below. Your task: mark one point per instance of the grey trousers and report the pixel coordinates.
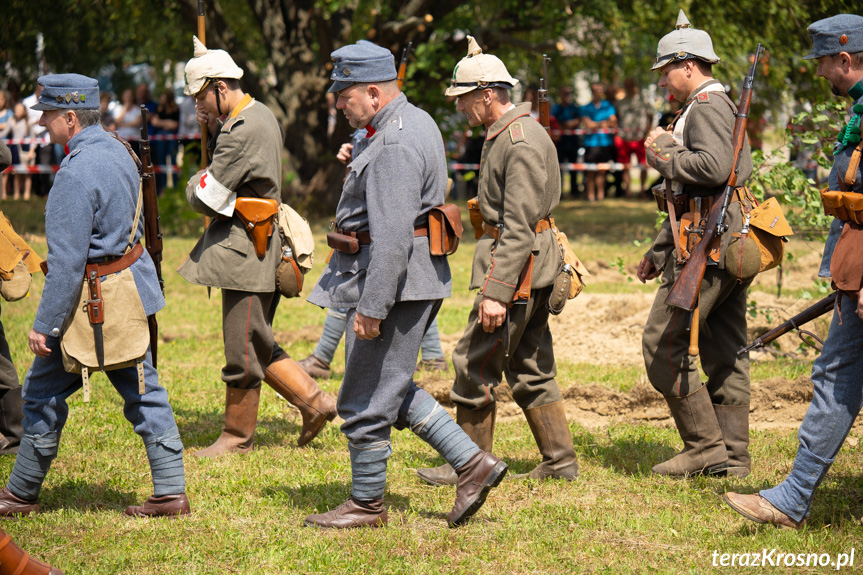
(378, 389)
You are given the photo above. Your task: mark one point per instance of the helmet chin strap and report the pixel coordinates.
(218, 98)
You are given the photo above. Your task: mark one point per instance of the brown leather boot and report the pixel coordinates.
(476, 478)
(703, 447)
(241, 417)
(734, 424)
(11, 504)
(16, 561)
(479, 426)
(351, 513)
(295, 385)
(551, 430)
(171, 506)
(315, 367)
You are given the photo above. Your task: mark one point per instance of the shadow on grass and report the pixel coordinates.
(199, 428)
(627, 450)
(83, 496)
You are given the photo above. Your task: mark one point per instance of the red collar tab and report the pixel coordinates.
(370, 131)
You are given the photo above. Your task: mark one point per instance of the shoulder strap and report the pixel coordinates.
(131, 241)
(851, 174)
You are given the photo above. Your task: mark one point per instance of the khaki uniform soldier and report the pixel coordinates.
(245, 175)
(519, 186)
(837, 43)
(695, 157)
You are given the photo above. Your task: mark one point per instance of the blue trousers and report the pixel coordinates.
(837, 399)
(47, 386)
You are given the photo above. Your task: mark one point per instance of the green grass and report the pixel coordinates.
(248, 510)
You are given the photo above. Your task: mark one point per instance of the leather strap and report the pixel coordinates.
(118, 264)
(851, 174)
(545, 223)
(365, 238)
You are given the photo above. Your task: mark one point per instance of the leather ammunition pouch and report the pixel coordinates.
(661, 203)
(543, 224)
(257, 216)
(846, 206)
(445, 229)
(475, 217)
(846, 265)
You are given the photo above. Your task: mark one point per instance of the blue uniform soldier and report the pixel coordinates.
(837, 44)
(392, 288)
(89, 216)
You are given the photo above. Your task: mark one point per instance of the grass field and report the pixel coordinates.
(248, 510)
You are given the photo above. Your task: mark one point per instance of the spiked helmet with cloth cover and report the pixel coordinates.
(478, 71)
(684, 43)
(207, 65)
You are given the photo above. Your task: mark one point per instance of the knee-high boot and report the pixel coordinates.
(14, 560)
(295, 385)
(703, 447)
(479, 426)
(551, 430)
(734, 424)
(241, 417)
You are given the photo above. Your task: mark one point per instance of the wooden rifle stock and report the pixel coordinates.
(403, 65)
(152, 227)
(542, 94)
(684, 292)
(202, 36)
(805, 316)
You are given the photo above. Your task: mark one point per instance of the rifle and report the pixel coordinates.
(152, 228)
(202, 36)
(805, 316)
(403, 65)
(542, 93)
(684, 292)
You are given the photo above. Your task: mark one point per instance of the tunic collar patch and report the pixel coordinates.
(511, 116)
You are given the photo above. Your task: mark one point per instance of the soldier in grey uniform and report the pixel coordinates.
(392, 288)
(837, 43)
(695, 157)
(519, 186)
(88, 217)
(246, 147)
(11, 403)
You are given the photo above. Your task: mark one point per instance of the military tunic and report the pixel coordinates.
(519, 184)
(696, 160)
(390, 188)
(88, 217)
(246, 162)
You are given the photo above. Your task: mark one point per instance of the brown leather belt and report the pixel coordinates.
(365, 238)
(543, 224)
(111, 266)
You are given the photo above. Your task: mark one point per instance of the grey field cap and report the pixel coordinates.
(67, 92)
(362, 62)
(840, 33)
(684, 43)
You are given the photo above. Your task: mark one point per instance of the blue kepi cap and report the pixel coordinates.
(67, 92)
(361, 62)
(840, 33)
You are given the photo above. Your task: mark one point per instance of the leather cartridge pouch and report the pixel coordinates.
(846, 265)
(257, 216)
(113, 303)
(445, 229)
(846, 206)
(475, 217)
(343, 243)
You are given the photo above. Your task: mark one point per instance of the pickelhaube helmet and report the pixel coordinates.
(478, 71)
(684, 43)
(208, 65)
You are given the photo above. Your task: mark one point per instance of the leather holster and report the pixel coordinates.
(257, 216)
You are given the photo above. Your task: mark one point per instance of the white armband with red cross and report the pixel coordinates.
(215, 195)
